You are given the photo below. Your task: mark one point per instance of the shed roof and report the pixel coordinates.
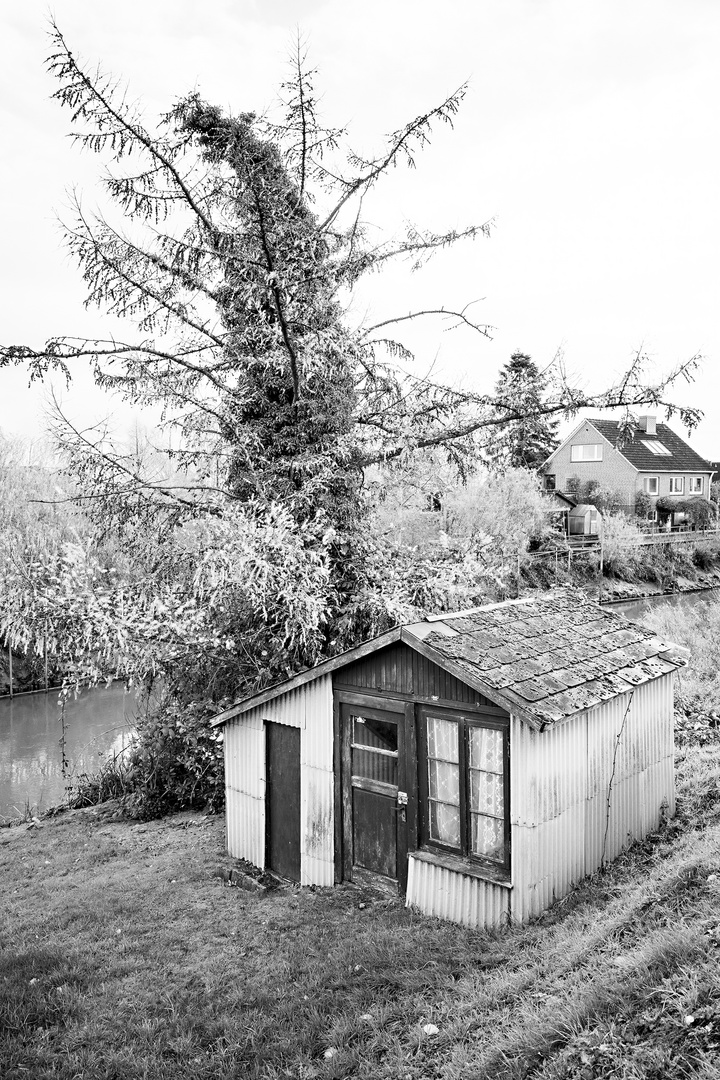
(542, 658)
(682, 458)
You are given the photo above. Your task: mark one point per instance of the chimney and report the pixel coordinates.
(647, 424)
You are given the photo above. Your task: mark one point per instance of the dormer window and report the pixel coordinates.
(656, 448)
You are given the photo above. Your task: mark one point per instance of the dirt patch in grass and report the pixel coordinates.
(124, 954)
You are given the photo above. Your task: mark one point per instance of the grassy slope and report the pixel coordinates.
(121, 955)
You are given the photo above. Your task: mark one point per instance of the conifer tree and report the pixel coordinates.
(528, 438)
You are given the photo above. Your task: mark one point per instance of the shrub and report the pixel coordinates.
(621, 557)
(704, 557)
(643, 505)
(176, 763)
(700, 512)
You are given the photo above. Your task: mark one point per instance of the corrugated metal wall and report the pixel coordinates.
(463, 899)
(582, 791)
(310, 708)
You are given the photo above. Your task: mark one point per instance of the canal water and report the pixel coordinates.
(98, 723)
(637, 609)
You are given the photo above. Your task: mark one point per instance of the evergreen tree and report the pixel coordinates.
(526, 440)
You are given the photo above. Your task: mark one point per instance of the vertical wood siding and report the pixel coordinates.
(399, 669)
(309, 708)
(583, 791)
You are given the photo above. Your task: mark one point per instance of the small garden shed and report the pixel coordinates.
(584, 520)
(482, 763)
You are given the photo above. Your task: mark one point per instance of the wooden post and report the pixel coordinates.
(46, 658)
(10, 668)
(602, 559)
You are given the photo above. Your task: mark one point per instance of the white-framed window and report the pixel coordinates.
(652, 516)
(650, 485)
(657, 448)
(696, 485)
(586, 452)
(464, 786)
(677, 485)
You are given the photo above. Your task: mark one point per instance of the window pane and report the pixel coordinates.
(442, 736)
(586, 452)
(488, 837)
(445, 823)
(486, 749)
(444, 782)
(487, 794)
(373, 766)
(372, 732)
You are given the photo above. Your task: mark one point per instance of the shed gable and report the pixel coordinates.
(399, 669)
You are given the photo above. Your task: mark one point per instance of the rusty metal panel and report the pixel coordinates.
(288, 709)
(317, 838)
(245, 789)
(448, 894)
(585, 789)
(317, 737)
(309, 708)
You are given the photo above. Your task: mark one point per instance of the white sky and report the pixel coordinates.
(590, 134)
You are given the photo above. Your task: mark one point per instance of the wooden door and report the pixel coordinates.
(282, 800)
(373, 796)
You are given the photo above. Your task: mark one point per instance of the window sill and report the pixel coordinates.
(458, 865)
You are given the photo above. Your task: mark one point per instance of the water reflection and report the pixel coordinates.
(636, 610)
(97, 724)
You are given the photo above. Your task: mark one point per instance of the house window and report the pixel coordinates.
(656, 448)
(549, 481)
(677, 485)
(650, 485)
(586, 452)
(696, 485)
(464, 787)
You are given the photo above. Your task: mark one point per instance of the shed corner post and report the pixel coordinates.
(337, 792)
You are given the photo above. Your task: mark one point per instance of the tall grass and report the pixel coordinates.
(697, 628)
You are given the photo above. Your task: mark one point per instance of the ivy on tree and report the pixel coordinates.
(232, 246)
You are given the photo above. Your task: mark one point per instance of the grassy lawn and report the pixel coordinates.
(122, 954)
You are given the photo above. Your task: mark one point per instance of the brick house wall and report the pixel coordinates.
(614, 472)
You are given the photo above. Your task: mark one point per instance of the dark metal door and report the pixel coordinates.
(374, 800)
(282, 800)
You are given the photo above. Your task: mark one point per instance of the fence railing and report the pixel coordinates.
(570, 547)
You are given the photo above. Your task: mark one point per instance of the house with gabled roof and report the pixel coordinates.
(480, 763)
(651, 458)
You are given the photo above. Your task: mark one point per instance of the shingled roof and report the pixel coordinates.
(546, 659)
(682, 457)
(543, 658)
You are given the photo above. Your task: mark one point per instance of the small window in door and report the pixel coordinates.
(374, 749)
